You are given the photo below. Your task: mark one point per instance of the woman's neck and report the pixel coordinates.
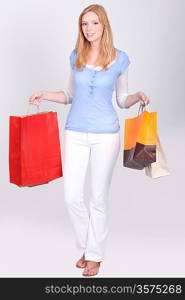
(95, 47)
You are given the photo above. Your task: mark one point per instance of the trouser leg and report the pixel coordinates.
(75, 163)
(104, 152)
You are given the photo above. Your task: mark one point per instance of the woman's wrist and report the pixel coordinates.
(46, 95)
(50, 96)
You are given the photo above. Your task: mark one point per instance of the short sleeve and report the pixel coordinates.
(72, 59)
(125, 62)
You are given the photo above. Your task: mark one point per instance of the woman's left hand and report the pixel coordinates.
(143, 99)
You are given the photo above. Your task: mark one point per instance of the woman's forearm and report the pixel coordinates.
(59, 97)
(131, 100)
(137, 97)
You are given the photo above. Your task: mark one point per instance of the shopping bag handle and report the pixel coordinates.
(142, 107)
(38, 109)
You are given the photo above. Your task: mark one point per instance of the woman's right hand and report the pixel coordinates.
(36, 98)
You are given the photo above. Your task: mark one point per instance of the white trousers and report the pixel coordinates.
(101, 151)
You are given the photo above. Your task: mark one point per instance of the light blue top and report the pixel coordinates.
(91, 108)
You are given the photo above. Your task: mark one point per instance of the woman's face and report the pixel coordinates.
(91, 27)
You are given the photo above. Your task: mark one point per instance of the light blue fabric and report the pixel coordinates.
(91, 108)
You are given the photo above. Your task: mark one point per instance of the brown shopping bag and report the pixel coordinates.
(140, 138)
(160, 167)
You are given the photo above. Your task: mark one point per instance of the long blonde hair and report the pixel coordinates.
(108, 51)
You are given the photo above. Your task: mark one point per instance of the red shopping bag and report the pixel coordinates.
(34, 149)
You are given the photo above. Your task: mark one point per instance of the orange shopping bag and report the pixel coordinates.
(140, 139)
(34, 149)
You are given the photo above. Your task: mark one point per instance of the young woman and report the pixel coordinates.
(92, 130)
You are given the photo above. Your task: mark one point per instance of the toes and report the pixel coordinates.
(91, 269)
(85, 273)
(90, 272)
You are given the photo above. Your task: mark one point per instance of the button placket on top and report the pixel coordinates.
(91, 86)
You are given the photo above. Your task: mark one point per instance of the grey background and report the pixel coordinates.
(147, 235)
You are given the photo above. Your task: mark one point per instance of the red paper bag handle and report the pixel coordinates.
(38, 109)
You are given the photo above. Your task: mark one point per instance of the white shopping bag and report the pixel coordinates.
(158, 168)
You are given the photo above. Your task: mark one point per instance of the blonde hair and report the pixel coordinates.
(108, 51)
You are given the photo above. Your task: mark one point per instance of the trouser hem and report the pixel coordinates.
(93, 258)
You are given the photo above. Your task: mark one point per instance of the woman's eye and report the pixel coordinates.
(86, 23)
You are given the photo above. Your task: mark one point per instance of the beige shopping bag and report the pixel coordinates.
(158, 168)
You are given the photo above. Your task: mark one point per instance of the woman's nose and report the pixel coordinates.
(89, 28)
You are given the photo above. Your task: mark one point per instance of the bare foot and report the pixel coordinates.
(81, 263)
(92, 268)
